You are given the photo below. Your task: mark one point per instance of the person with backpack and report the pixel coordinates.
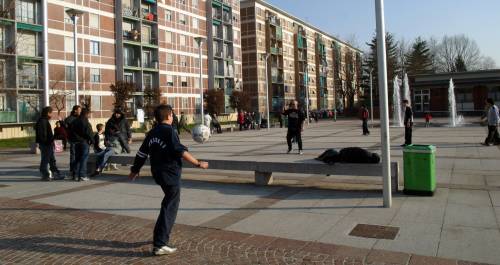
(45, 141)
(84, 137)
(493, 119)
(68, 125)
(296, 119)
(364, 117)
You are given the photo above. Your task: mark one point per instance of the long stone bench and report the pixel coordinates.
(264, 170)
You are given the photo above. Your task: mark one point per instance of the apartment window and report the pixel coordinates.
(146, 9)
(28, 75)
(168, 37)
(182, 19)
(127, 28)
(2, 74)
(195, 23)
(70, 73)
(184, 81)
(194, 3)
(182, 40)
(128, 77)
(182, 2)
(95, 103)
(197, 62)
(128, 56)
(259, 26)
(26, 43)
(183, 61)
(170, 80)
(148, 81)
(170, 58)
(95, 75)
(2, 38)
(196, 82)
(94, 21)
(146, 34)
(146, 59)
(94, 47)
(168, 15)
(26, 11)
(184, 103)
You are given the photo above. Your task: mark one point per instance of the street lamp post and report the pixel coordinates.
(307, 91)
(371, 95)
(74, 14)
(266, 58)
(46, 98)
(200, 40)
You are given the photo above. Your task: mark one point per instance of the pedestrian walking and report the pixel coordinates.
(84, 137)
(364, 117)
(165, 153)
(241, 119)
(408, 123)
(68, 124)
(295, 125)
(493, 119)
(45, 140)
(102, 150)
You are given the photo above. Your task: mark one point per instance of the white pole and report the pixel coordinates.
(75, 57)
(267, 93)
(200, 43)
(371, 96)
(307, 92)
(45, 55)
(384, 111)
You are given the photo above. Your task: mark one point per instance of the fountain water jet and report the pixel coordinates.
(406, 89)
(455, 120)
(397, 120)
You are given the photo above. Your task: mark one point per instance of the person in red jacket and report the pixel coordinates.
(428, 119)
(241, 119)
(61, 134)
(364, 117)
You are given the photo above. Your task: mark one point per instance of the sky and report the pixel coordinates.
(408, 19)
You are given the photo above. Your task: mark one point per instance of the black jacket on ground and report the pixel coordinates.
(165, 152)
(44, 134)
(82, 131)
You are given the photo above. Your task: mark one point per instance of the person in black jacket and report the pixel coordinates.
(45, 141)
(296, 119)
(68, 125)
(165, 153)
(84, 136)
(408, 122)
(118, 131)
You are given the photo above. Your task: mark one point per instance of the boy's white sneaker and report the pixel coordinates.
(165, 250)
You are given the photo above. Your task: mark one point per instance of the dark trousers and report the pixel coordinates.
(102, 158)
(294, 134)
(168, 213)
(493, 136)
(124, 144)
(365, 127)
(72, 156)
(408, 132)
(48, 160)
(81, 157)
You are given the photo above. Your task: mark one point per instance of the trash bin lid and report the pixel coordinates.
(420, 148)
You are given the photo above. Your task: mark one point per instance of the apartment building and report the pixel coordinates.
(150, 43)
(302, 60)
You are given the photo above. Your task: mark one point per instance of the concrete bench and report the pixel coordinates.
(264, 170)
(228, 127)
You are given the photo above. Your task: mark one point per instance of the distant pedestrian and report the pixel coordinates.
(165, 153)
(364, 117)
(216, 123)
(118, 131)
(408, 123)
(428, 118)
(295, 125)
(241, 119)
(61, 134)
(183, 124)
(68, 125)
(102, 150)
(493, 119)
(45, 141)
(84, 137)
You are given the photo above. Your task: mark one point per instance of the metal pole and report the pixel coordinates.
(200, 43)
(307, 93)
(371, 96)
(75, 57)
(267, 93)
(45, 55)
(384, 111)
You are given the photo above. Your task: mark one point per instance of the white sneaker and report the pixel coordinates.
(165, 250)
(300, 152)
(114, 167)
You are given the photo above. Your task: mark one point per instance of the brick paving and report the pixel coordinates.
(34, 233)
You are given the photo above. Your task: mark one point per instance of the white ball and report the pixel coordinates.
(200, 133)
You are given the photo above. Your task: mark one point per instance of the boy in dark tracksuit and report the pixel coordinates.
(408, 122)
(45, 140)
(165, 153)
(295, 120)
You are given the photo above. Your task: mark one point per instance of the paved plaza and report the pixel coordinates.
(225, 219)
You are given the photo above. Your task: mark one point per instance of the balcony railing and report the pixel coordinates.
(150, 65)
(275, 50)
(134, 62)
(130, 12)
(218, 54)
(277, 79)
(132, 35)
(274, 20)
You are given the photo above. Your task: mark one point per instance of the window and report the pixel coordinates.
(128, 77)
(146, 59)
(171, 101)
(170, 80)
(421, 100)
(494, 93)
(196, 82)
(146, 34)
(2, 38)
(184, 82)
(170, 58)
(148, 81)
(127, 28)
(95, 103)
(26, 43)
(182, 19)
(195, 23)
(183, 61)
(25, 11)
(94, 47)
(28, 75)
(2, 74)
(168, 37)
(184, 103)
(182, 40)
(128, 56)
(95, 75)
(70, 73)
(168, 15)
(194, 3)
(94, 21)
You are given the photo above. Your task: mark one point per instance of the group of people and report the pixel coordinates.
(112, 138)
(250, 120)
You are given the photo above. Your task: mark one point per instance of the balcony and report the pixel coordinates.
(132, 63)
(276, 50)
(273, 20)
(277, 79)
(150, 1)
(218, 54)
(226, 18)
(132, 36)
(148, 16)
(130, 12)
(153, 65)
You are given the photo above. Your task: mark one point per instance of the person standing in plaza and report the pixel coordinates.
(118, 131)
(84, 137)
(183, 124)
(364, 117)
(68, 124)
(165, 153)
(61, 134)
(45, 141)
(408, 123)
(295, 125)
(493, 119)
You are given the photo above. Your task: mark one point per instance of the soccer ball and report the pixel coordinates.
(201, 133)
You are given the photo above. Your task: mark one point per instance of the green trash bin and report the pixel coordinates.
(419, 169)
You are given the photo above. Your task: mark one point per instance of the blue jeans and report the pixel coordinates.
(102, 158)
(72, 156)
(48, 160)
(81, 157)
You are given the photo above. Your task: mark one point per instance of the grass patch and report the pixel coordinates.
(16, 142)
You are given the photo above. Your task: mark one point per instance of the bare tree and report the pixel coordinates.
(487, 63)
(458, 47)
(403, 49)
